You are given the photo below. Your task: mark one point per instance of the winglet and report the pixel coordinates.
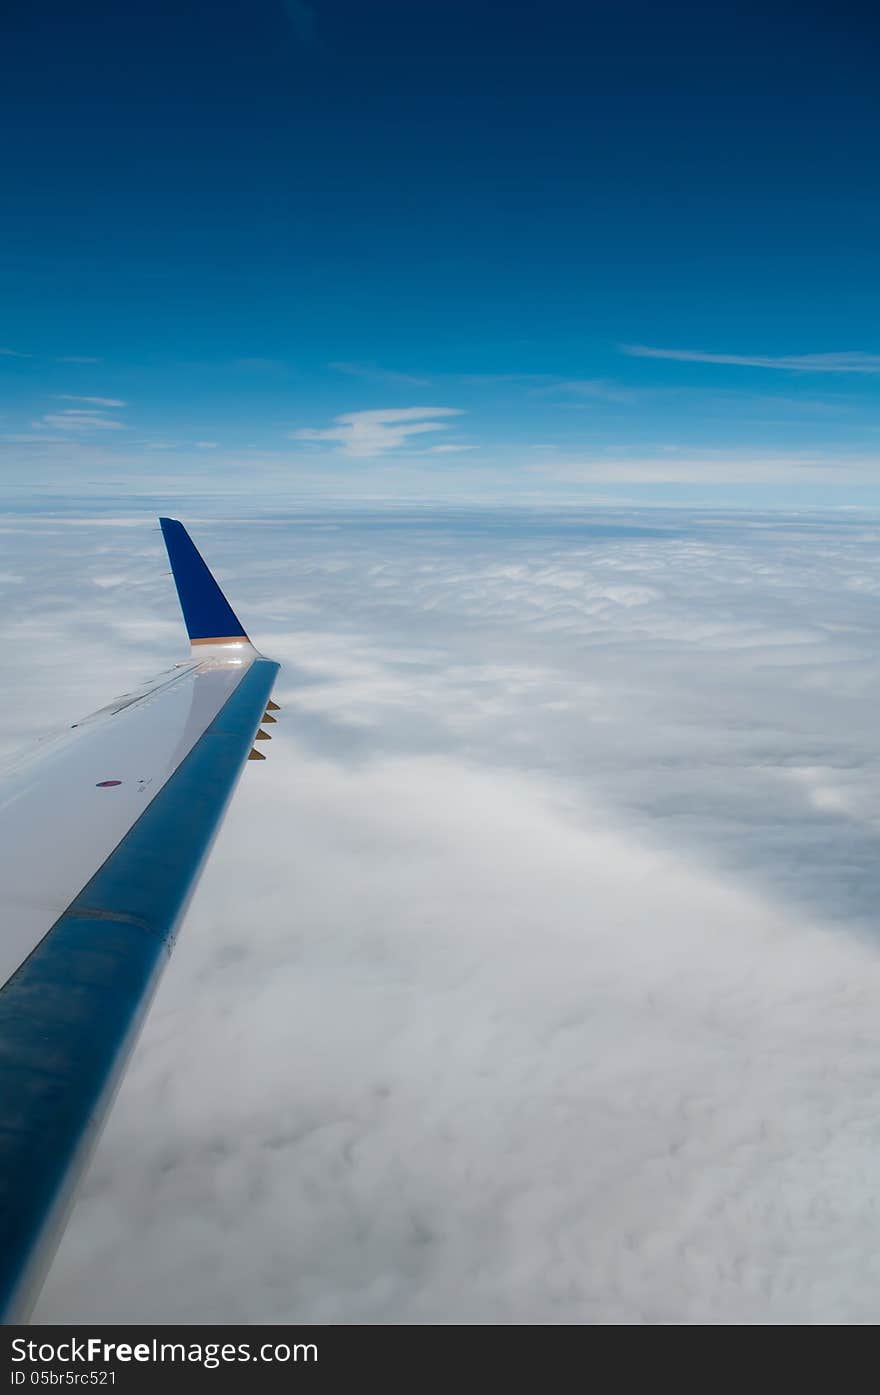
(208, 616)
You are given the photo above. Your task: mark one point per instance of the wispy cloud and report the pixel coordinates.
(585, 389)
(448, 450)
(13, 353)
(76, 358)
(855, 362)
(261, 365)
(499, 379)
(547, 385)
(27, 438)
(95, 401)
(206, 445)
(374, 373)
(375, 432)
(79, 419)
(302, 20)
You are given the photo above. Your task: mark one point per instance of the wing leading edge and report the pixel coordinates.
(137, 793)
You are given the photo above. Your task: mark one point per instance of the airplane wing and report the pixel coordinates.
(103, 836)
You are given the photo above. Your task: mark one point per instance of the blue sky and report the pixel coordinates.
(575, 251)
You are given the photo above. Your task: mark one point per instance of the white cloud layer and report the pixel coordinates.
(534, 975)
(383, 429)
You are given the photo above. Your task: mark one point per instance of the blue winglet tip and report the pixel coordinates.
(208, 616)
